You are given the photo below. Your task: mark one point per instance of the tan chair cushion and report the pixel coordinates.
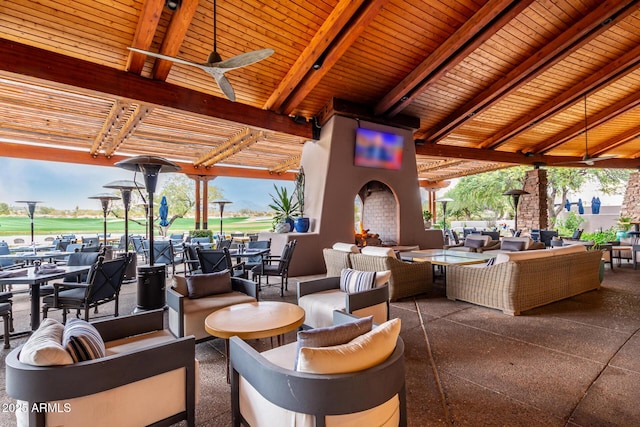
(136, 342)
(318, 307)
(364, 352)
(569, 249)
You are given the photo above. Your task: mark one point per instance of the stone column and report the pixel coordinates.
(631, 202)
(532, 210)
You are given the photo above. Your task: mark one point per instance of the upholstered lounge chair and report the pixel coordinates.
(267, 391)
(186, 315)
(320, 297)
(147, 378)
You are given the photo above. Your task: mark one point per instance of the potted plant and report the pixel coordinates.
(426, 216)
(301, 222)
(624, 225)
(284, 207)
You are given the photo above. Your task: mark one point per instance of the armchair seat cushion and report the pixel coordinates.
(137, 342)
(318, 308)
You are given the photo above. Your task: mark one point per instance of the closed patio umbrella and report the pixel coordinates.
(164, 214)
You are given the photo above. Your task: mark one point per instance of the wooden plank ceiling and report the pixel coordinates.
(493, 83)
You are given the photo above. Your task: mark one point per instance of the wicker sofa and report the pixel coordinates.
(407, 279)
(520, 281)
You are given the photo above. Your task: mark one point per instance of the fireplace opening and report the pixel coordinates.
(375, 215)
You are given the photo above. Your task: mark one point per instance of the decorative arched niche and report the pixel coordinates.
(376, 215)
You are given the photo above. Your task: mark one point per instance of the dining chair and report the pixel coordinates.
(254, 261)
(190, 259)
(163, 253)
(277, 266)
(103, 286)
(212, 260)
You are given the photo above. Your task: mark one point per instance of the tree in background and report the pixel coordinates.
(479, 197)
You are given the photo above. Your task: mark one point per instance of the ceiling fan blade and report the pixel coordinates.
(244, 59)
(225, 86)
(168, 58)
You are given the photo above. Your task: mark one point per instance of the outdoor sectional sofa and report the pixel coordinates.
(520, 281)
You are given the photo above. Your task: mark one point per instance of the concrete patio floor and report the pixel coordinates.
(571, 363)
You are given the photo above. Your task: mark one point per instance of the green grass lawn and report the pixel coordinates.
(13, 225)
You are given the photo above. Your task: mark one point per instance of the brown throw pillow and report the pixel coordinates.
(202, 285)
(473, 243)
(513, 246)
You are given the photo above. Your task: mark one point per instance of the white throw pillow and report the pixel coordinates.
(44, 346)
(346, 247)
(382, 277)
(361, 353)
(378, 251)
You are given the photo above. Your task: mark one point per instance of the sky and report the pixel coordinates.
(65, 185)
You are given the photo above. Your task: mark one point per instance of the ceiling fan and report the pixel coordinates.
(587, 159)
(215, 65)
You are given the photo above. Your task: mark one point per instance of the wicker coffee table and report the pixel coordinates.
(253, 320)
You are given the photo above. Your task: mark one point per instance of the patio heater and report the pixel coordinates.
(221, 204)
(515, 195)
(31, 206)
(151, 279)
(444, 201)
(105, 199)
(126, 187)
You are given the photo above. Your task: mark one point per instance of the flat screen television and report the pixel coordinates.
(377, 149)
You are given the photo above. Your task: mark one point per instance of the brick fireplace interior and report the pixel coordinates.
(378, 222)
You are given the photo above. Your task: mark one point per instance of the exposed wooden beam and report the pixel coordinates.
(251, 139)
(146, 29)
(107, 127)
(465, 40)
(450, 151)
(627, 63)
(567, 42)
(328, 31)
(32, 152)
(438, 165)
(350, 34)
(615, 141)
(53, 67)
(344, 108)
(290, 163)
(226, 144)
(128, 128)
(178, 26)
(594, 121)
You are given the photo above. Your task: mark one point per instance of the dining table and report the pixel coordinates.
(29, 276)
(29, 256)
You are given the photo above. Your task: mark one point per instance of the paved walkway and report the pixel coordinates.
(571, 363)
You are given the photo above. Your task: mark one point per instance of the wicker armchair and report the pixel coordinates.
(407, 279)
